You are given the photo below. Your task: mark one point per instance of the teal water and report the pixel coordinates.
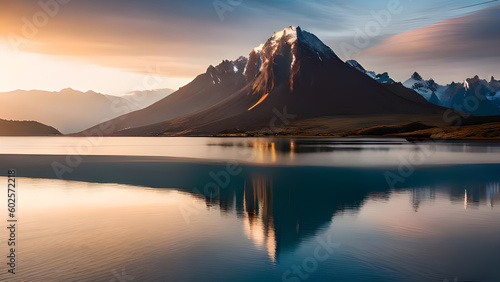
(277, 216)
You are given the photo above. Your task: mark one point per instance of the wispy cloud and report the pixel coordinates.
(449, 50)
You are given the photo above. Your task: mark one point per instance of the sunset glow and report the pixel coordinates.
(110, 47)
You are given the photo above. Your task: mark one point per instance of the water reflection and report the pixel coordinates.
(482, 194)
(280, 212)
(260, 225)
(420, 195)
(281, 206)
(258, 217)
(472, 195)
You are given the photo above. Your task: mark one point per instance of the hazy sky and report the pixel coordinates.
(119, 46)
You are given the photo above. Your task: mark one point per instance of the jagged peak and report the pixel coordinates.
(383, 75)
(258, 48)
(473, 80)
(416, 76)
(291, 36)
(227, 66)
(289, 33)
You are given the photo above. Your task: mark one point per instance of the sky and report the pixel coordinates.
(115, 47)
(450, 50)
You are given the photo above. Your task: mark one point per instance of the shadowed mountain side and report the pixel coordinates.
(26, 128)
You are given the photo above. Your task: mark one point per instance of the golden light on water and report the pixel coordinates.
(258, 223)
(273, 151)
(465, 199)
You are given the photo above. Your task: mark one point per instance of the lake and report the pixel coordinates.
(252, 209)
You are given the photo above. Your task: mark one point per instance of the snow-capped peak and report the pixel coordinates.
(291, 36)
(289, 33)
(227, 69)
(382, 78)
(290, 48)
(258, 48)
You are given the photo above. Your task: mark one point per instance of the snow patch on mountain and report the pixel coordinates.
(289, 33)
(227, 69)
(381, 78)
(428, 89)
(291, 36)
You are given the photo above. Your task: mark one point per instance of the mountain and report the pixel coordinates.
(355, 64)
(475, 96)
(426, 88)
(495, 84)
(70, 110)
(382, 78)
(454, 95)
(292, 76)
(26, 128)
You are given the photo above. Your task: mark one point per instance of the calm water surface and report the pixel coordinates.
(211, 209)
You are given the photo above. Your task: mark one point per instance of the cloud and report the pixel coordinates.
(184, 37)
(453, 49)
(127, 35)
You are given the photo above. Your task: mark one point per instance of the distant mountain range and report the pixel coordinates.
(71, 110)
(454, 95)
(458, 95)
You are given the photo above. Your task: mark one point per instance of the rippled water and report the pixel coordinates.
(279, 215)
